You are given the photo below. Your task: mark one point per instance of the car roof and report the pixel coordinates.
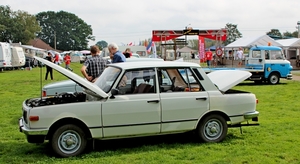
(147, 64)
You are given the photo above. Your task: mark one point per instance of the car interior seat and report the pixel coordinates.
(142, 88)
(173, 83)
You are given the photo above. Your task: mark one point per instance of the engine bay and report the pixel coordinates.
(62, 98)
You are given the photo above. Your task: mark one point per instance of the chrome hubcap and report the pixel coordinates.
(213, 129)
(69, 142)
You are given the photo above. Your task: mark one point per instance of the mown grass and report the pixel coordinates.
(276, 140)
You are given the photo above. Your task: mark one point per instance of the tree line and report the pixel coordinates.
(62, 30)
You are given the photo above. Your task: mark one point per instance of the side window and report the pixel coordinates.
(256, 54)
(141, 53)
(187, 75)
(137, 82)
(178, 80)
(267, 54)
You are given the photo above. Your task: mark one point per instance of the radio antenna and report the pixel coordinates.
(41, 68)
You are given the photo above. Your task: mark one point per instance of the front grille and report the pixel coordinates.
(25, 116)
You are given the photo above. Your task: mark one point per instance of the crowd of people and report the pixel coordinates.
(93, 67)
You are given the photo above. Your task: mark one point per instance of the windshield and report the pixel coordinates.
(274, 54)
(107, 78)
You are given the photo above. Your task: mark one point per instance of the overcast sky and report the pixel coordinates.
(124, 21)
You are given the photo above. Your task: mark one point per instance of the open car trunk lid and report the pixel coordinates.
(226, 79)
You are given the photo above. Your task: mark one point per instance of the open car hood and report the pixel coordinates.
(76, 78)
(226, 79)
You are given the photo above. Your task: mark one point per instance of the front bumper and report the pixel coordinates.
(27, 131)
(289, 76)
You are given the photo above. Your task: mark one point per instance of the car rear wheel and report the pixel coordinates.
(212, 128)
(273, 78)
(68, 140)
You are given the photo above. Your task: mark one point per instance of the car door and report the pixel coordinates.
(136, 111)
(182, 107)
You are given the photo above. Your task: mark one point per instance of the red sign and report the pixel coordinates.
(164, 35)
(220, 34)
(219, 52)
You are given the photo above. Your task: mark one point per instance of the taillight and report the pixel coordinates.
(256, 101)
(34, 118)
(44, 94)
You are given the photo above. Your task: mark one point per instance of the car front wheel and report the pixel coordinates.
(68, 140)
(212, 128)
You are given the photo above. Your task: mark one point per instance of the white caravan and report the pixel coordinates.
(18, 57)
(5, 56)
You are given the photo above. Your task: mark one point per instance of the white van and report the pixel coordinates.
(5, 56)
(141, 50)
(18, 57)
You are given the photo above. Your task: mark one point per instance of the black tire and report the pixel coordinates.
(212, 128)
(273, 78)
(68, 140)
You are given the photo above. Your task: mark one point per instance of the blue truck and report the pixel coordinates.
(266, 63)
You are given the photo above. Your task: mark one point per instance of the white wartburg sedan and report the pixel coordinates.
(133, 99)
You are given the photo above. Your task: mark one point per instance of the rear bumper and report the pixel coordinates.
(251, 115)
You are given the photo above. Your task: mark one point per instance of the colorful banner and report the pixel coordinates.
(201, 49)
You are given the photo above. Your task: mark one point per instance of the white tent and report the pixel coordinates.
(248, 42)
(290, 47)
(293, 42)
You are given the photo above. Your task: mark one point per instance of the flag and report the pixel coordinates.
(154, 49)
(149, 47)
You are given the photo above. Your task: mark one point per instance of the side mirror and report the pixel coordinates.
(114, 92)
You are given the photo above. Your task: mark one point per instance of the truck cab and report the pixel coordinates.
(268, 63)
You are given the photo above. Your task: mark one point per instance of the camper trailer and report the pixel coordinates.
(5, 56)
(18, 57)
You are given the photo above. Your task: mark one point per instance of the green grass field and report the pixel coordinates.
(276, 140)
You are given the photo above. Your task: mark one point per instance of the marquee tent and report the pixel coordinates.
(290, 47)
(247, 42)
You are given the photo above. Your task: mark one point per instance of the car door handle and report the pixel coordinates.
(153, 101)
(201, 98)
